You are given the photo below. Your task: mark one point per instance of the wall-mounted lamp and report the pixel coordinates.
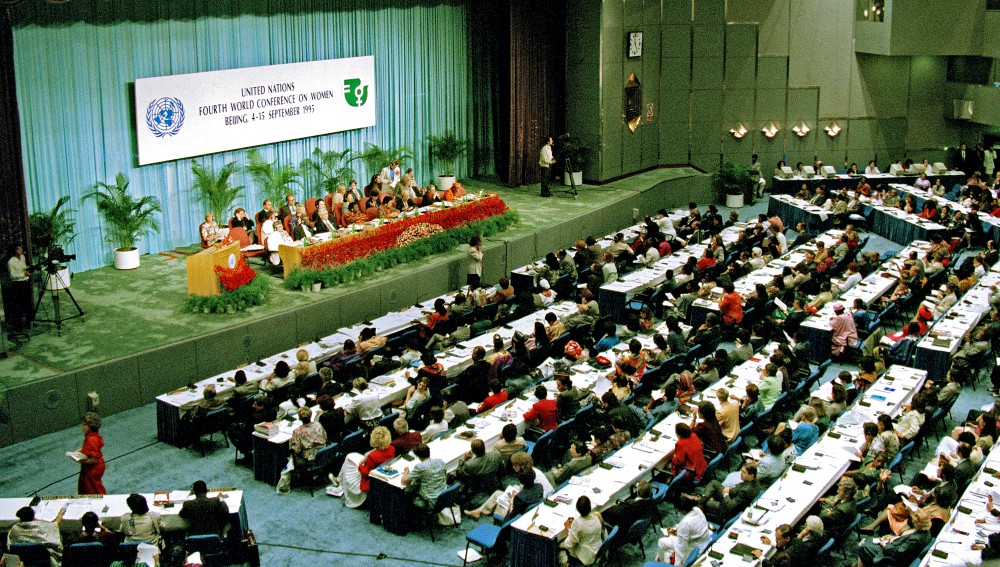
(801, 129)
(833, 129)
(739, 131)
(770, 130)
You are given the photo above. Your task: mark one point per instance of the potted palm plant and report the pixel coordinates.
(446, 149)
(375, 158)
(128, 218)
(330, 168)
(733, 183)
(275, 180)
(51, 232)
(216, 190)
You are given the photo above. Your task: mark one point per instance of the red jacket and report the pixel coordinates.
(545, 412)
(492, 401)
(731, 309)
(688, 455)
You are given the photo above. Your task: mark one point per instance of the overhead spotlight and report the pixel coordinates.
(801, 129)
(770, 130)
(833, 129)
(739, 131)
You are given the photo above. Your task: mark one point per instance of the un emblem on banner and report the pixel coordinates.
(354, 93)
(165, 116)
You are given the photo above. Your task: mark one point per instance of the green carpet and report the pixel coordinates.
(136, 310)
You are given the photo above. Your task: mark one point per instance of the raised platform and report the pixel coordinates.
(138, 342)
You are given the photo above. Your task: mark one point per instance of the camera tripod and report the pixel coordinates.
(58, 319)
(568, 167)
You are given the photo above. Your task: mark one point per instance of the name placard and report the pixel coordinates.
(181, 116)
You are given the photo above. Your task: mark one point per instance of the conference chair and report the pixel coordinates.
(215, 421)
(445, 501)
(287, 224)
(240, 235)
(310, 206)
(692, 557)
(208, 545)
(90, 554)
(824, 552)
(488, 537)
(635, 534)
(606, 545)
(321, 465)
(328, 201)
(841, 537)
(32, 554)
(898, 464)
(127, 552)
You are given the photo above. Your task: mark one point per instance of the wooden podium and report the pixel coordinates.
(202, 279)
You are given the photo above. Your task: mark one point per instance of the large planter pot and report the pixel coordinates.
(317, 286)
(577, 178)
(58, 280)
(127, 259)
(445, 182)
(734, 201)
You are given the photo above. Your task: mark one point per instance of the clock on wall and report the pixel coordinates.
(635, 44)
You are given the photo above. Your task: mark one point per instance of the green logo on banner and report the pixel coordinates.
(354, 93)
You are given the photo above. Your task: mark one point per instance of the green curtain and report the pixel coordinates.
(75, 64)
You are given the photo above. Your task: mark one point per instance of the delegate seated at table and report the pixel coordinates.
(141, 524)
(691, 533)
(353, 482)
(204, 515)
(29, 530)
(797, 549)
(583, 535)
(720, 504)
(543, 413)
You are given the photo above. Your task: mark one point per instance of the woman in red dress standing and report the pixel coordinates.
(92, 467)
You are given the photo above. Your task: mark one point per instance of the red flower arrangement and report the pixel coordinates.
(348, 248)
(233, 279)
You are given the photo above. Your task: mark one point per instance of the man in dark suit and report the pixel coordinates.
(720, 503)
(624, 514)
(323, 222)
(963, 159)
(800, 549)
(473, 382)
(965, 468)
(288, 208)
(204, 515)
(301, 231)
(262, 215)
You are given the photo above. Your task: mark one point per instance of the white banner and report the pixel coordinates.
(181, 116)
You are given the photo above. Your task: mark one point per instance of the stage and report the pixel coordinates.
(137, 341)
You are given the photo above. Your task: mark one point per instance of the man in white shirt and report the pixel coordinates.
(545, 161)
(20, 291)
(274, 241)
(366, 406)
(691, 533)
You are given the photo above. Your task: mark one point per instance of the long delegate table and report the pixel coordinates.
(900, 226)
(792, 211)
(535, 536)
(813, 473)
(816, 328)
(990, 224)
(746, 285)
(110, 508)
(291, 255)
(889, 222)
(270, 453)
(387, 499)
(935, 350)
(616, 295)
(525, 277)
(780, 185)
(970, 523)
(171, 406)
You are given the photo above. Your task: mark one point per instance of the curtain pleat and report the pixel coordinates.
(76, 62)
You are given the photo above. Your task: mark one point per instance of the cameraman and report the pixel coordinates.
(18, 294)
